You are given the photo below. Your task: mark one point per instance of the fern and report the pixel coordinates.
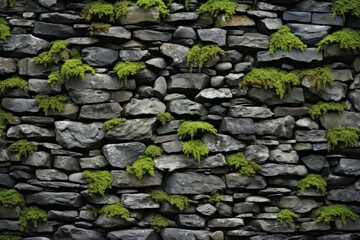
(4, 117)
(195, 147)
(342, 7)
(329, 213)
(116, 210)
(217, 7)
(56, 103)
(287, 215)
(98, 10)
(98, 181)
(313, 181)
(159, 196)
(190, 128)
(239, 162)
(347, 38)
(4, 28)
(163, 9)
(31, 216)
(179, 201)
(159, 222)
(121, 8)
(127, 69)
(285, 40)
(347, 135)
(58, 50)
(216, 198)
(11, 198)
(142, 166)
(322, 108)
(110, 124)
(164, 117)
(23, 148)
(14, 82)
(199, 55)
(318, 77)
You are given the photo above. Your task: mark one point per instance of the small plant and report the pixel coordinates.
(164, 117)
(8, 3)
(318, 77)
(153, 151)
(116, 210)
(342, 7)
(127, 69)
(287, 215)
(4, 28)
(313, 181)
(98, 181)
(163, 9)
(347, 38)
(13, 82)
(98, 10)
(159, 222)
(143, 165)
(4, 117)
(190, 128)
(46, 102)
(121, 8)
(217, 7)
(159, 196)
(179, 201)
(347, 135)
(199, 55)
(31, 216)
(23, 148)
(322, 108)
(99, 27)
(9, 237)
(58, 51)
(195, 147)
(280, 80)
(11, 198)
(110, 124)
(285, 40)
(329, 213)
(216, 198)
(239, 162)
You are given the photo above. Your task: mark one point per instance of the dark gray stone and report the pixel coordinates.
(236, 180)
(298, 205)
(98, 56)
(268, 96)
(237, 126)
(186, 107)
(68, 199)
(57, 17)
(139, 234)
(123, 154)
(122, 179)
(134, 55)
(327, 19)
(70, 232)
(185, 32)
(346, 119)
(87, 96)
(7, 65)
(105, 221)
(249, 40)
(152, 36)
(181, 234)
(30, 131)
(222, 143)
(316, 163)
(191, 220)
(186, 82)
(177, 53)
(309, 34)
(145, 106)
(67, 163)
(211, 94)
(181, 16)
(118, 33)
(54, 30)
(21, 45)
(213, 35)
(282, 127)
(100, 111)
(348, 166)
(272, 226)
(271, 169)
(139, 201)
(292, 16)
(310, 136)
(132, 130)
(313, 6)
(344, 195)
(307, 56)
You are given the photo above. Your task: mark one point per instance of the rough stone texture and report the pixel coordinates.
(134, 129)
(123, 154)
(281, 127)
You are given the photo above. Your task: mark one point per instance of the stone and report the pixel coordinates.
(138, 201)
(150, 35)
(132, 130)
(68, 199)
(282, 127)
(139, 234)
(271, 169)
(10, 212)
(88, 96)
(294, 96)
(41, 86)
(54, 30)
(100, 111)
(327, 19)
(211, 94)
(250, 112)
(309, 55)
(67, 163)
(354, 99)
(9, 225)
(187, 83)
(234, 21)
(67, 232)
(213, 35)
(346, 119)
(186, 107)
(94, 162)
(293, 16)
(344, 195)
(191, 220)
(249, 40)
(160, 87)
(7, 181)
(222, 143)
(225, 222)
(335, 237)
(62, 215)
(50, 175)
(180, 234)
(206, 209)
(56, 17)
(133, 55)
(30, 131)
(290, 111)
(100, 199)
(298, 205)
(27, 66)
(181, 16)
(105, 221)
(146, 106)
(121, 96)
(177, 53)
(7, 65)
(348, 166)
(308, 33)
(313, 6)
(237, 126)
(21, 45)
(139, 15)
(119, 33)
(82, 40)
(38, 159)
(348, 226)
(307, 123)
(98, 56)
(256, 153)
(121, 179)
(310, 136)
(316, 163)
(157, 62)
(185, 32)
(272, 226)
(329, 93)
(268, 25)
(123, 154)
(279, 156)
(314, 226)
(236, 180)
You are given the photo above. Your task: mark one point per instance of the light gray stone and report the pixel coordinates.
(123, 154)
(132, 130)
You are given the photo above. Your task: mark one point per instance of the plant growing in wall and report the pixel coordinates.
(98, 10)
(99, 27)
(158, 222)
(98, 181)
(110, 124)
(153, 151)
(4, 118)
(179, 201)
(342, 7)
(4, 29)
(11, 198)
(23, 148)
(121, 8)
(14, 82)
(55, 103)
(199, 55)
(347, 38)
(329, 213)
(287, 215)
(9, 237)
(190, 128)
(217, 7)
(312, 181)
(58, 51)
(239, 162)
(319, 77)
(163, 9)
(127, 69)
(196, 148)
(142, 166)
(8, 3)
(164, 117)
(31, 216)
(322, 108)
(116, 210)
(285, 40)
(347, 135)
(216, 198)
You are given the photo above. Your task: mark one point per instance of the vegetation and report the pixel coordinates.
(98, 10)
(239, 162)
(287, 215)
(329, 213)
(8, 3)
(4, 117)
(13, 82)
(195, 147)
(159, 222)
(216, 198)
(280, 80)
(347, 38)
(199, 55)
(342, 7)
(98, 181)
(58, 51)
(347, 135)
(318, 77)
(127, 69)
(285, 40)
(99, 27)
(56, 103)
(217, 7)
(179, 201)
(23, 148)
(163, 9)
(313, 181)
(31, 216)
(142, 166)
(164, 117)
(322, 108)
(11, 198)
(4, 28)
(121, 8)
(116, 210)
(110, 124)
(153, 151)
(9, 237)
(190, 128)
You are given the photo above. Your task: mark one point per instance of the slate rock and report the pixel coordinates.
(309, 55)
(10, 212)
(150, 35)
(133, 55)
(350, 225)
(237, 126)
(234, 21)
(314, 226)
(256, 153)
(298, 205)
(316, 163)
(249, 40)
(313, 6)
(123, 154)
(121, 179)
(211, 94)
(206, 209)
(290, 111)
(69, 232)
(82, 41)
(7, 65)
(94, 162)
(186, 82)
(21, 45)
(250, 112)
(327, 19)
(7, 181)
(348, 166)
(105, 221)
(160, 87)
(30, 131)
(271, 169)
(67, 163)
(177, 53)
(335, 237)
(272, 226)
(309, 34)
(88, 96)
(9, 225)
(24, 6)
(146, 106)
(98, 56)
(185, 32)
(100, 111)
(157, 62)
(293, 16)
(329, 93)
(225, 222)
(186, 107)
(344, 195)
(62, 215)
(236, 180)
(282, 127)
(346, 119)
(191, 220)
(38, 159)
(50, 175)
(213, 35)
(118, 33)
(180, 234)
(141, 16)
(27, 66)
(132, 130)
(268, 96)
(138, 201)
(279, 156)
(42, 86)
(310, 136)
(54, 30)
(57, 17)
(68, 199)
(222, 143)
(354, 99)
(268, 25)
(139, 234)
(181, 16)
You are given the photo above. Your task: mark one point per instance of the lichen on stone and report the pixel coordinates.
(198, 55)
(217, 7)
(98, 10)
(22, 148)
(313, 181)
(287, 215)
(153, 151)
(322, 108)
(127, 69)
(347, 135)
(330, 213)
(110, 124)
(239, 162)
(196, 148)
(116, 210)
(14, 82)
(346, 38)
(31, 216)
(285, 40)
(4, 118)
(98, 181)
(179, 201)
(99, 27)
(55, 103)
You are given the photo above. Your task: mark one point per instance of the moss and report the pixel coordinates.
(217, 7)
(98, 10)
(318, 77)
(199, 55)
(9, 237)
(239, 162)
(98, 181)
(99, 27)
(280, 80)
(347, 38)
(55, 77)
(127, 69)
(31, 216)
(347, 135)
(8, 3)
(142, 166)
(329, 213)
(322, 108)
(56, 103)
(179, 201)
(216, 198)
(58, 51)
(163, 9)
(121, 8)
(164, 117)
(4, 117)
(159, 196)
(312, 181)
(287, 215)
(14, 82)
(110, 124)
(190, 128)
(11, 198)
(116, 210)
(4, 29)
(342, 7)
(158, 222)
(195, 147)
(23, 148)
(285, 40)
(153, 151)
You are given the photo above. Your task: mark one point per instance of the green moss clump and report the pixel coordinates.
(9, 237)
(329, 213)
(342, 7)
(313, 181)
(4, 29)
(239, 162)
(195, 147)
(217, 7)
(127, 69)
(216, 198)
(318, 77)
(347, 135)
(199, 55)
(58, 51)
(121, 8)
(164, 117)
(159, 196)
(190, 128)
(4, 117)
(153, 151)
(98, 181)
(287, 215)
(31, 216)
(116, 210)
(322, 108)
(99, 27)
(163, 8)
(56, 103)
(110, 124)
(11, 198)
(98, 10)
(8, 3)
(142, 166)
(179, 201)
(285, 40)
(158, 222)
(280, 80)
(23, 148)
(347, 38)
(14, 82)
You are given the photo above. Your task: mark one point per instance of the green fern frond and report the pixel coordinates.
(98, 181)
(347, 135)
(329, 213)
(55, 103)
(347, 38)
(116, 210)
(190, 128)
(196, 148)
(313, 181)
(127, 69)
(321, 108)
(23, 148)
(287, 215)
(285, 40)
(239, 162)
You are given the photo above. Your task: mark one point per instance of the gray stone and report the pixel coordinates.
(310, 136)
(132, 130)
(313, 6)
(98, 56)
(94, 162)
(256, 153)
(206, 209)
(181, 16)
(327, 19)
(225, 222)
(292, 16)
(185, 82)
(222, 143)
(67, 163)
(298, 205)
(342, 75)
(181, 234)
(186, 107)
(152, 36)
(348, 166)
(157, 62)
(145, 106)
(177, 53)
(272, 226)
(9, 225)
(7, 181)
(69, 232)
(185, 32)
(50, 175)
(329, 93)
(100, 199)
(314, 226)
(88, 96)
(9, 212)
(335, 237)
(234, 21)
(211, 94)
(56, 17)
(160, 87)
(238, 126)
(138, 201)
(133, 55)
(123, 154)
(54, 30)
(307, 123)
(350, 225)
(250, 112)
(271, 169)
(100, 111)
(42, 86)
(290, 111)
(309, 34)
(191, 220)
(213, 35)
(82, 41)
(307, 56)
(346, 119)
(122, 179)
(249, 40)
(282, 127)
(268, 96)
(105, 221)
(354, 98)
(7, 65)
(121, 96)
(30, 131)
(68, 199)
(139, 15)
(139, 234)
(268, 25)
(245, 207)
(236, 180)
(115, 32)
(344, 195)
(62, 215)
(27, 66)
(38, 159)
(316, 163)
(20, 45)
(279, 156)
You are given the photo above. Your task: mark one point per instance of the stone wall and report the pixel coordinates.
(276, 133)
